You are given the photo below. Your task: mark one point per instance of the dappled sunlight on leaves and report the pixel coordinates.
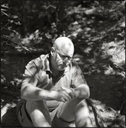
(97, 30)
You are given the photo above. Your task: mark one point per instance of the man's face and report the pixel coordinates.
(63, 58)
(63, 50)
(62, 61)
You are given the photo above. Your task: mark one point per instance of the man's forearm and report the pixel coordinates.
(34, 94)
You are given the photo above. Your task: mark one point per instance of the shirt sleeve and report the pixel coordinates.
(32, 69)
(77, 76)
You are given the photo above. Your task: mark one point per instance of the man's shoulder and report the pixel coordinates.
(75, 67)
(38, 62)
(35, 65)
(43, 56)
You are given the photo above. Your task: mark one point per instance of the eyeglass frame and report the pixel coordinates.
(63, 57)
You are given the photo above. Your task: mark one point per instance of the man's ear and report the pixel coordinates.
(52, 51)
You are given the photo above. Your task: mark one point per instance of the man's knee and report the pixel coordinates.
(32, 105)
(38, 113)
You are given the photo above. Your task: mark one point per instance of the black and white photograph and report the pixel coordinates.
(63, 63)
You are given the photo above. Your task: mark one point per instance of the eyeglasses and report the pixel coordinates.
(63, 57)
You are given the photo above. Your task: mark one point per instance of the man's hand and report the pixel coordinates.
(71, 92)
(63, 95)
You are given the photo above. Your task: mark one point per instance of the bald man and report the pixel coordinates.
(54, 90)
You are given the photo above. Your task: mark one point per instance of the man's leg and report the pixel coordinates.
(76, 110)
(39, 113)
(22, 115)
(82, 115)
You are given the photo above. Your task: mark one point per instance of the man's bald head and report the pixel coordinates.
(64, 45)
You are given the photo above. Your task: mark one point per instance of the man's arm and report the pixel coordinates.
(29, 91)
(82, 91)
(79, 83)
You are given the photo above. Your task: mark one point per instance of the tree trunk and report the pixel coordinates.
(60, 11)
